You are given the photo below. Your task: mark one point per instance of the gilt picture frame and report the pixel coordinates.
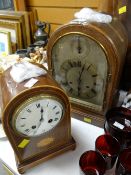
(5, 43)
(14, 28)
(22, 18)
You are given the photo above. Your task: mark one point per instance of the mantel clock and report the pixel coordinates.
(86, 59)
(36, 120)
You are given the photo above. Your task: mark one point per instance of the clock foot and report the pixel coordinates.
(21, 170)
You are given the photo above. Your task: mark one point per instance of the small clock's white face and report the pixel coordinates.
(37, 116)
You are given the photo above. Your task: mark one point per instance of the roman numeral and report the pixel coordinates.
(27, 130)
(89, 67)
(57, 112)
(28, 110)
(38, 105)
(95, 75)
(22, 125)
(93, 91)
(54, 107)
(70, 90)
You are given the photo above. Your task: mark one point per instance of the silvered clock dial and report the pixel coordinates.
(80, 67)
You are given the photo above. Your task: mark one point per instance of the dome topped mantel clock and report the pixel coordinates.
(36, 120)
(86, 60)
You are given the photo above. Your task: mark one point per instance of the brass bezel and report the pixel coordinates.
(29, 101)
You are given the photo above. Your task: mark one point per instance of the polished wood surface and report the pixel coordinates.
(10, 88)
(47, 145)
(113, 39)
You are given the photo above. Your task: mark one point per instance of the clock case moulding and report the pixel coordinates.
(42, 147)
(112, 39)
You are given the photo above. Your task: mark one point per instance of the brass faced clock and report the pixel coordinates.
(86, 60)
(36, 120)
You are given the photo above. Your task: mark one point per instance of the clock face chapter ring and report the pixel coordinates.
(73, 79)
(37, 115)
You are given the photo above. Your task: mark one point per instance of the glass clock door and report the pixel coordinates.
(80, 67)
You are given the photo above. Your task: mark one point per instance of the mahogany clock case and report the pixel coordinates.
(32, 150)
(90, 54)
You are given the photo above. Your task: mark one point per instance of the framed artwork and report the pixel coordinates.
(6, 5)
(22, 19)
(14, 28)
(17, 5)
(5, 43)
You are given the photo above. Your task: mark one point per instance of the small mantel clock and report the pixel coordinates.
(86, 59)
(36, 120)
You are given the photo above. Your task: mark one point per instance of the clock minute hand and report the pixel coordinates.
(79, 79)
(40, 121)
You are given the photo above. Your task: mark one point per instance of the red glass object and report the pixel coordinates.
(123, 165)
(109, 147)
(118, 124)
(92, 163)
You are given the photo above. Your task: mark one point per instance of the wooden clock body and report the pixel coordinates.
(86, 59)
(29, 150)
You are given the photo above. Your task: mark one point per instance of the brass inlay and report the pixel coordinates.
(45, 142)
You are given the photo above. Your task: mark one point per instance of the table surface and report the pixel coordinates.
(65, 164)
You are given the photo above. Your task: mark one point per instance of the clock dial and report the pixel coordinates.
(80, 67)
(80, 46)
(37, 116)
(73, 79)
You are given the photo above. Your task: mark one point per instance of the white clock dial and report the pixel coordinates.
(38, 115)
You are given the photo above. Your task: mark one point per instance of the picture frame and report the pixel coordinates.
(14, 28)
(19, 5)
(23, 19)
(5, 43)
(6, 4)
